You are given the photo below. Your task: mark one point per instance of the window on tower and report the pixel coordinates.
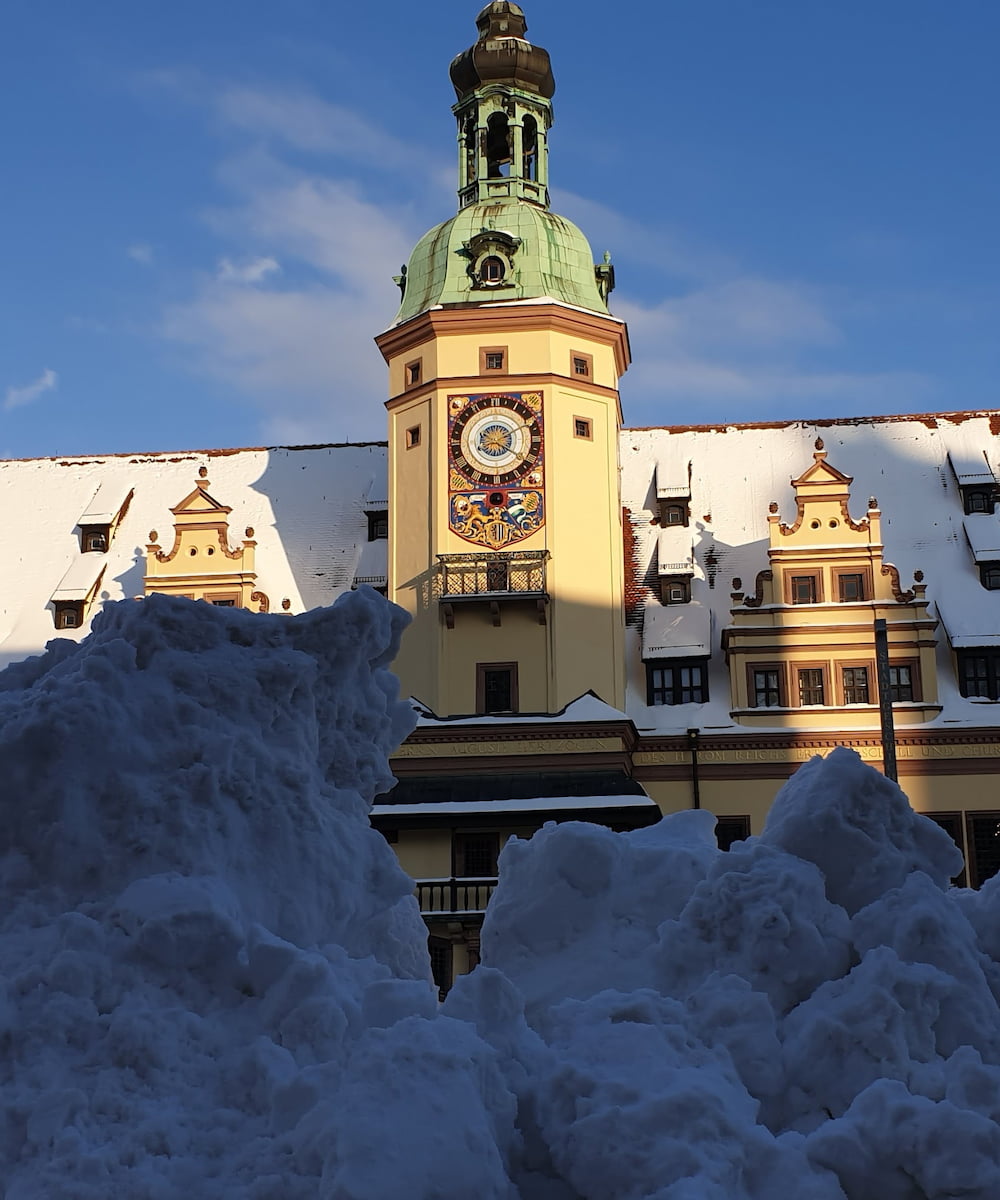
(496, 688)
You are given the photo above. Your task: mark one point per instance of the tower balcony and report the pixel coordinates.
(495, 579)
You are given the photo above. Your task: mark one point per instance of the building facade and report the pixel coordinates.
(607, 623)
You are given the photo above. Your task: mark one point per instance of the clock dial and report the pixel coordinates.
(497, 471)
(495, 439)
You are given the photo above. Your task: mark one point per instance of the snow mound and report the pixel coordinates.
(214, 979)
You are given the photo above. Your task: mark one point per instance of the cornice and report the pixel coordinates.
(442, 322)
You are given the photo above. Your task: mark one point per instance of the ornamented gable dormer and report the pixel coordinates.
(801, 647)
(200, 564)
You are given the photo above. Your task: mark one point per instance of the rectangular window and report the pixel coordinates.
(583, 428)
(95, 538)
(492, 360)
(675, 591)
(731, 829)
(675, 514)
(901, 683)
(223, 603)
(414, 371)
(766, 682)
(683, 681)
(69, 614)
(496, 687)
(439, 949)
(378, 525)
(811, 686)
(989, 576)
(852, 587)
(979, 673)
(582, 364)
(855, 685)
(476, 855)
(984, 846)
(803, 589)
(413, 437)
(951, 823)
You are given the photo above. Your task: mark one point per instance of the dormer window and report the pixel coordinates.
(675, 589)
(977, 500)
(675, 514)
(94, 539)
(989, 575)
(378, 525)
(68, 614)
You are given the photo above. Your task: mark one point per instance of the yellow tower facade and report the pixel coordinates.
(504, 416)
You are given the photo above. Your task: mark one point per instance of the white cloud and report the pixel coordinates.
(306, 122)
(141, 252)
(249, 273)
(17, 397)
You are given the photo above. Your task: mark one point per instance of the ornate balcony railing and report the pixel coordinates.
(514, 572)
(450, 897)
(493, 577)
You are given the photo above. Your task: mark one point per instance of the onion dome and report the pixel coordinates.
(503, 55)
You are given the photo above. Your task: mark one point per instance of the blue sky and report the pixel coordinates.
(204, 204)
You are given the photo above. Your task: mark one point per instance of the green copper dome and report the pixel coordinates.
(502, 251)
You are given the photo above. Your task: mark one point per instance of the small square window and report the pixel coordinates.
(492, 360)
(765, 685)
(851, 587)
(583, 428)
(803, 589)
(582, 365)
(414, 371)
(413, 437)
(69, 614)
(675, 590)
(675, 514)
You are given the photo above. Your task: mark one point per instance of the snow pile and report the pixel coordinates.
(214, 981)
(812, 1014)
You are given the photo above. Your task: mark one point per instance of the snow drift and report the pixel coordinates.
(214, 981)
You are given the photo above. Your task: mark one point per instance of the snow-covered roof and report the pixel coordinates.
(306, 505)
(970, 466)
(672, 475)
(676, 631)
(673, 551)
(983, 532)
(81, 577)
(910, 463)
(105, 505)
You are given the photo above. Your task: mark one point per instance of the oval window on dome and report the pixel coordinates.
(493, 270)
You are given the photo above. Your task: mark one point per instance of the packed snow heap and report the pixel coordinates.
(214, 979)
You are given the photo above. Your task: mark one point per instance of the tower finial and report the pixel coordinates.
(504, 86)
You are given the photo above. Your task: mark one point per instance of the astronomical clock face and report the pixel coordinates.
(496, 476)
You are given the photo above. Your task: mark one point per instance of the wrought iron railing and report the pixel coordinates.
(448, 896)
(516, 572)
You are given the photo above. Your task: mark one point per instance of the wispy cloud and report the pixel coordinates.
(141, 252)
(249, 273)
(313, 250)
(17, 397)
(306, 122)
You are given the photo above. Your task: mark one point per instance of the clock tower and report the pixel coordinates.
(504, 415)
